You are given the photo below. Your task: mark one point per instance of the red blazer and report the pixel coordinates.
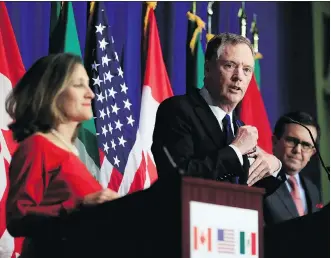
(45, 181)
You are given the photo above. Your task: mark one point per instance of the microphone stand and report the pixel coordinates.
(172, 162)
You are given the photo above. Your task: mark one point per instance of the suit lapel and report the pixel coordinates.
(286, 198)
(207, 118)
(212, 127)
(311, 198)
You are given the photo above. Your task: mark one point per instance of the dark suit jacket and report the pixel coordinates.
(279, 206)
(191, 133)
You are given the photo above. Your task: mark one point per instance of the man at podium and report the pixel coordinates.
(201, 131)
(297, 195)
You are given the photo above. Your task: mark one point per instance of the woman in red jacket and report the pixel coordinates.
(47, 179)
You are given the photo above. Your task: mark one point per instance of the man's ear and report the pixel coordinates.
(313, 152)
(207, 68)
(274, 140)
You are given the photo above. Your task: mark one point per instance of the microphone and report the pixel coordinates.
(327, 169)
(172, 162)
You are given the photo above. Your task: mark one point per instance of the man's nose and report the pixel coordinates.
(238, 74)
(297, 148)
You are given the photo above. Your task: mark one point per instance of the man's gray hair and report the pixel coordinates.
(216, 44)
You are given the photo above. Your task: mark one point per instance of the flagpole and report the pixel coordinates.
(255, 32)
(194, 7)
(257, 55)
(242, 19)
(210, 14)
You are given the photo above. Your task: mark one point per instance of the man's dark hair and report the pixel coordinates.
(299, 116)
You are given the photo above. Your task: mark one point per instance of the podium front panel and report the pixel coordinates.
(227, 239)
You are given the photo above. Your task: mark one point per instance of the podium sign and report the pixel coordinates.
(223, 231)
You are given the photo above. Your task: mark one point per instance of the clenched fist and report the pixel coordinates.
(100, 197)
(246, 139)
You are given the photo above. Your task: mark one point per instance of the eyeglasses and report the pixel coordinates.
(293, 142)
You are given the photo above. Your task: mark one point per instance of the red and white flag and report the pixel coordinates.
(11, 70)
(156, 88)
(202, 239)
(140, 170)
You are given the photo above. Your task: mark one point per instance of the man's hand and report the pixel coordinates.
(246, 139)
(263, 166)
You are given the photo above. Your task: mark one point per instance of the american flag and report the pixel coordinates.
(225, 241)
(116, 124)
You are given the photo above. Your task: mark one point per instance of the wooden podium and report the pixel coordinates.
(151, 223)
(304, 237)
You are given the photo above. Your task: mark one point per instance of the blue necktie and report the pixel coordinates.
(227, 129)
(229, 139)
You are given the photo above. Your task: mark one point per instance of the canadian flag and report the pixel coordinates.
(11, 70)
(202, 239)
(156, 88)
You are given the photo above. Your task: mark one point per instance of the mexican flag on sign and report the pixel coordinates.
(248, 243)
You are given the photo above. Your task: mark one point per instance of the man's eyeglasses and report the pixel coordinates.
(293, 142)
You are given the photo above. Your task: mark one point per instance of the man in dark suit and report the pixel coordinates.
(296, 195)
(198, 128)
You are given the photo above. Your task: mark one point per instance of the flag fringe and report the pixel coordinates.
(92, 7)
(149, 6)
(209, 36)
(258, 55)
(200, 25)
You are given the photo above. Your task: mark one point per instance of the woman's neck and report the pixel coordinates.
(67, 131)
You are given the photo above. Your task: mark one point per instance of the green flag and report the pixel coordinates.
(195, 58)
(257, 72)
(64, 38)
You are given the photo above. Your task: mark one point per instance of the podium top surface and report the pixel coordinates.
(223, 185)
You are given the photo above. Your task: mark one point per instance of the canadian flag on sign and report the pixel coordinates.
(202, 239)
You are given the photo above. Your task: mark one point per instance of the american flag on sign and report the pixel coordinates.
(116, 125)
(225, 241)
